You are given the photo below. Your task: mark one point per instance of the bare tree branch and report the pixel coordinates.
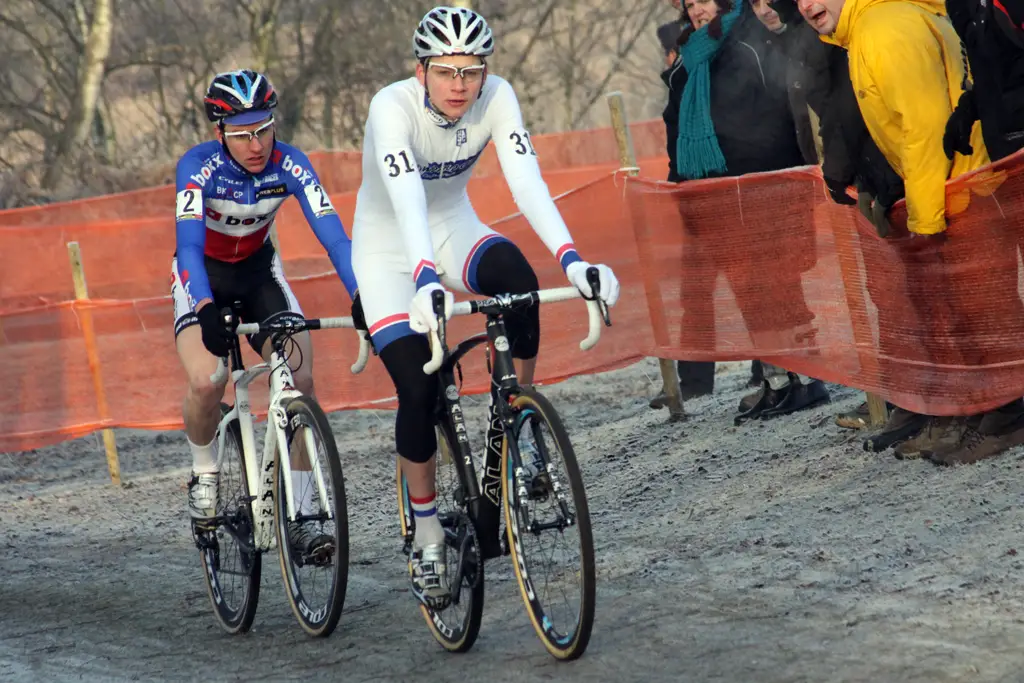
(622, 53)
(534, 39)
(62, 19)
(76, 128)
(41, 49)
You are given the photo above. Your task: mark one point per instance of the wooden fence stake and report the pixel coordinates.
(89, 334)
(877, 410)
(627, 157)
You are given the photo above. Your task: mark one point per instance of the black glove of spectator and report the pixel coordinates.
(958, 128)
(786, 9)
(837, 191)
(216, 337)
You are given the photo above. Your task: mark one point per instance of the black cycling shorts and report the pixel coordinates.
(257, 283)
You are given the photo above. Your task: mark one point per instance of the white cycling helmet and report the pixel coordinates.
(452, 31)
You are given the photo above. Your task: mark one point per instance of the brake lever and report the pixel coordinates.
(594, 280)
(437, 299)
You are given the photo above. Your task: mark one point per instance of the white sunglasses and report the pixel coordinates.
(250, 135)
(469, 73)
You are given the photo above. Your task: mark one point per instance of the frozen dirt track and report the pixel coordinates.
(776, 551)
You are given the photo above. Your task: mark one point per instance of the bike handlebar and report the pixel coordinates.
(594, 309)
(293, 325)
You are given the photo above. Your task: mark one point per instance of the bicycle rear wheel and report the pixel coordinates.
(531, 480)
(231, 565)
(457, 626)
(314, 549)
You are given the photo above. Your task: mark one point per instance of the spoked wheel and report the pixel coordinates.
(457, 626)
(313, 548)
(548, 527)
(231, 566)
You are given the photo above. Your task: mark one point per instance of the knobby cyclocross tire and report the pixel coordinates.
(452, 637)
(234, 505)
(316, 620)
(571, 645)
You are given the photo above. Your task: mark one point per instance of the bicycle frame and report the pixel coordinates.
(484, 509)
(260, 474)
(482, 490)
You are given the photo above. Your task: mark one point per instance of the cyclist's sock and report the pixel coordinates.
(303, 487)
(428, 526)
(204, 458)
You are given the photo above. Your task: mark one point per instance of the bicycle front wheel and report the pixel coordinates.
(539, 461)
(313, 548)
(231, 564)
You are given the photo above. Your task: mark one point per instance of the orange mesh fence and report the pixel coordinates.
(50, 395)
(763, 266)
(766, 266)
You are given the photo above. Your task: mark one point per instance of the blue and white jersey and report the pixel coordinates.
(416, 166)
(224, 212)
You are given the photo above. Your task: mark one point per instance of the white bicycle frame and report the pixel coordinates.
(260, 475)
(545, 296)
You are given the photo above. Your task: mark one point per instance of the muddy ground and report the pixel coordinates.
(776, 551)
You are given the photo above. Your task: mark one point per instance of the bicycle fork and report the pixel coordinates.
(499, 420)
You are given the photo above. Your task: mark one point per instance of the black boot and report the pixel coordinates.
(799, 397)
(756, 374)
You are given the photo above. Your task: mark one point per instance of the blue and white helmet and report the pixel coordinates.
(452, 31)
(240, 97)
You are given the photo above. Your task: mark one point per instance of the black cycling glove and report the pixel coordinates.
(216, 337)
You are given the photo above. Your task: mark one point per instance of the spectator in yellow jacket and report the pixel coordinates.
(908, 73)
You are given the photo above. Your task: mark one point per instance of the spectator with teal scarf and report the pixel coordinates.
(697, 150)
(728, 114)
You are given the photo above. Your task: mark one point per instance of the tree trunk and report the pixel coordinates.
(263, 28)
(105, 137)
(328, 118)
(309, 70)
(83, 106)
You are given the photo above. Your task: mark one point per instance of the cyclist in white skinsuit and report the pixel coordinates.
(415, 232)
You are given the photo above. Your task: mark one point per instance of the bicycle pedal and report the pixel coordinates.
(204, 538)
(203, 526)
(321, 557)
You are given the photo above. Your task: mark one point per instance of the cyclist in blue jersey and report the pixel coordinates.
(228, 192)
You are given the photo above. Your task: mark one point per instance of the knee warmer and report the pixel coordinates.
(504, 270)
(404, 359)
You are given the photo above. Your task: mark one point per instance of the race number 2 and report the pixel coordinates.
(318, 200)
(190, 205)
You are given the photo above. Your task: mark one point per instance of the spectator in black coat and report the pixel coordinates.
(747, 107)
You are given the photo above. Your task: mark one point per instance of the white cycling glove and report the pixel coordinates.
(421, 310)
(608, 284)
